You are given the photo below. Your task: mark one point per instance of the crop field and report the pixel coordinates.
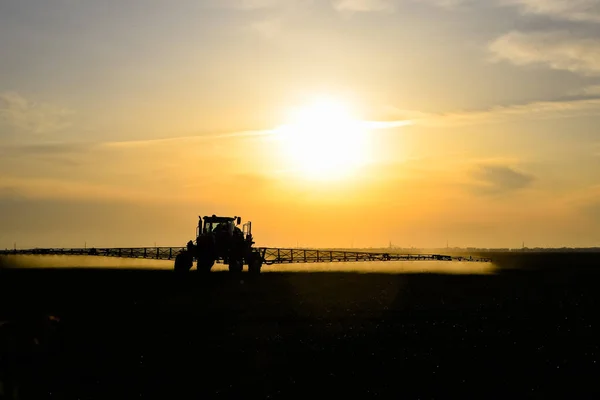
(525, 326)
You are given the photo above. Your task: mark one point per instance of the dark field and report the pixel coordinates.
(530, 330)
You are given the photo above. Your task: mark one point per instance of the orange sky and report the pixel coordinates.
(468, 121)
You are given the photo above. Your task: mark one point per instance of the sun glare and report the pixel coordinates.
(323, 140)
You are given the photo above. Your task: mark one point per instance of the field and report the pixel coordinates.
(526, 328)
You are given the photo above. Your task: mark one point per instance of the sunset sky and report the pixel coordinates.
(472, 121)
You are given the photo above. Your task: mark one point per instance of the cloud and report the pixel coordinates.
(43, 149)
(188, 139)
(499, 179)
(251, 134)
(363, 5)
(584, 93)
(577, 105)
(37, 118)
(385, 124)
(572, 10)
(70, 154)
(387, 5)
(559, 50)
(445, 3)
(271, 15)
(591, 90)
(266, 5)
(256, 4)
(541, 110)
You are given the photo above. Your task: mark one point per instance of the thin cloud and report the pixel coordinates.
(499, 179)
(272, 14)
(559, 50)
(372, 125)
(403, 118)
(44, 149)
(584, 93)
(535, 110)
(445, 3)
(69, 154)
(363, 5)
(140, 143)
(256, 4)
(569, 10)
(592, 90)
(24, 115)
(572, 10)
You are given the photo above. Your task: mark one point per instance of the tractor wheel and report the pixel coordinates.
(254, 264)
(235, 265)
(183, 262)
(204, 264)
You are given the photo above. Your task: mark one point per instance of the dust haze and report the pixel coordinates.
(391, 267)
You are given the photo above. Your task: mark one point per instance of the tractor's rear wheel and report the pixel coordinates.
(183, 262)
(235, 265)
(255, 264)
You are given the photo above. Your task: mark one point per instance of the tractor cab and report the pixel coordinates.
(214, 225)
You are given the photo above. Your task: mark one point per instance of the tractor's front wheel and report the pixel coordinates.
(255, 263)
(183, 262)
(205, 264)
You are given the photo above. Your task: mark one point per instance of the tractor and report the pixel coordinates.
(220, 239)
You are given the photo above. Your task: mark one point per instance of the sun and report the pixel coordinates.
(323, 140)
